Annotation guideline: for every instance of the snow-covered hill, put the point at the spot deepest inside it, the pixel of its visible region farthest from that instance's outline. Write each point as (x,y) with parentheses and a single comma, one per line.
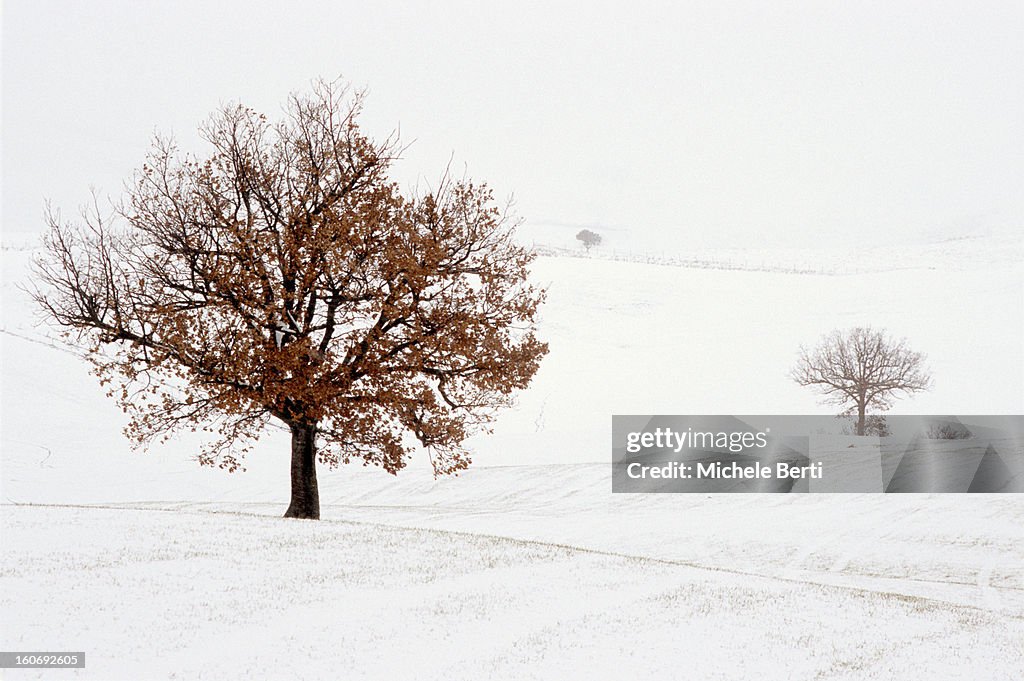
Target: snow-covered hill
(189,595)
(625,337)
(527,565)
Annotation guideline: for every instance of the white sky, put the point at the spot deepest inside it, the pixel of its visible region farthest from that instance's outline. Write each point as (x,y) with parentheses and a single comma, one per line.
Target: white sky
(751,124)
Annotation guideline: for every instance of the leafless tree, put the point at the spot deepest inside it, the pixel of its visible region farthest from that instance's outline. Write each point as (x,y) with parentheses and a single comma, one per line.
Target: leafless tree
(948,431)
(862,369)
(285,276)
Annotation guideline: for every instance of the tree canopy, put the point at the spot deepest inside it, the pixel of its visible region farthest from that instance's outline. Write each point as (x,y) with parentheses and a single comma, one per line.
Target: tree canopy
(284,275)
(588,238)
(862,368)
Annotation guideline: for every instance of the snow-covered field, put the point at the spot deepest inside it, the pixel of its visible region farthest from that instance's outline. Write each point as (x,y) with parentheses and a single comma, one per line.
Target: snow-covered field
(193,595)
(527,566)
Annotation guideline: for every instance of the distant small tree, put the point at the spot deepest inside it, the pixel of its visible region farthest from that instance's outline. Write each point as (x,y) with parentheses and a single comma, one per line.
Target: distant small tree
(588,239)
(862,368)
(948,431)
(874,424)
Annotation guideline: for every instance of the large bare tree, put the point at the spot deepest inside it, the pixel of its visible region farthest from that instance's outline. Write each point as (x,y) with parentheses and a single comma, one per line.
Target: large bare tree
(285,276)
(862,368)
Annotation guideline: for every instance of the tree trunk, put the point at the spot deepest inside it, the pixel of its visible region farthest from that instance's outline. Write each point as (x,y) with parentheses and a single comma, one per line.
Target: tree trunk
(860,419)
(305,496)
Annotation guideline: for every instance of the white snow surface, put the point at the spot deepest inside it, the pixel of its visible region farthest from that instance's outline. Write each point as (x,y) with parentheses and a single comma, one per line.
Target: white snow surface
(527,566)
